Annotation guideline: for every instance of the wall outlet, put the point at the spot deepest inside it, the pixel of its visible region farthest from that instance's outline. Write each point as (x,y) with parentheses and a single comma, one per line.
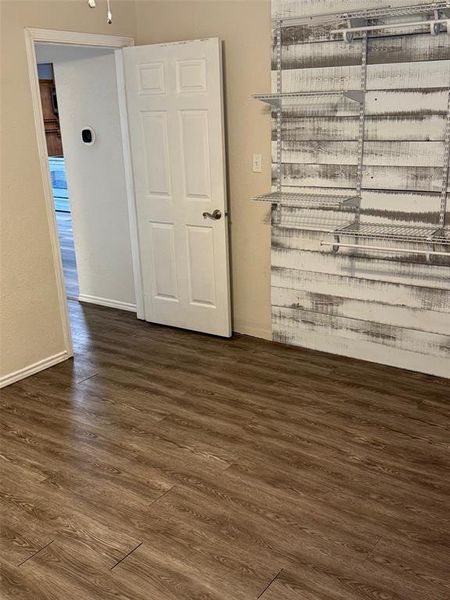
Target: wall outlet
(257,163)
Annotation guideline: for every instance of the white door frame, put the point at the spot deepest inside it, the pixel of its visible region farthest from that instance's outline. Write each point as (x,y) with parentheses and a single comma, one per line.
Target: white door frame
(71,38)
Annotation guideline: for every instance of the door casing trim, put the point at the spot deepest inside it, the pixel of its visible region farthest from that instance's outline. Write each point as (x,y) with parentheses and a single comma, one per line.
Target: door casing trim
(51,36)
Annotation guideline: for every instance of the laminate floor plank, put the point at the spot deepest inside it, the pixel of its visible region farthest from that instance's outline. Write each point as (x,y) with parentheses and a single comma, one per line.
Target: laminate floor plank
(358,580)
(122,453)
(72,517)
(290,397)
(17,585)
(256,527)
(186,563)
(314,470)
(50,459)
(67,569)
(20,537)
(361,516)
(424,563)
(161,464)
(307,582)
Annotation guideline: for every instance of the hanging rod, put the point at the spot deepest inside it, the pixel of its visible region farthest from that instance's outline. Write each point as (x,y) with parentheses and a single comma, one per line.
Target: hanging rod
(434,25)
(338,245)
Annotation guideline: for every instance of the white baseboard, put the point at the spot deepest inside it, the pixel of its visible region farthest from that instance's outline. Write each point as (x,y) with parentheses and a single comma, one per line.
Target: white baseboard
(250,329)
(45,363)
(107,302)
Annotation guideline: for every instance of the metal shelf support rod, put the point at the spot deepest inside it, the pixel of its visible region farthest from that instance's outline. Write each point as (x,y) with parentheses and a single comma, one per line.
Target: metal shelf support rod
(445,167)
(279,108)
(337,244)
(276,213)
(361,126)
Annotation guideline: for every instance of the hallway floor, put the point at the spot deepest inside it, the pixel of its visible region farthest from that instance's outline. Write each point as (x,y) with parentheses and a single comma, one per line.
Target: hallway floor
(162,464)
(65,234)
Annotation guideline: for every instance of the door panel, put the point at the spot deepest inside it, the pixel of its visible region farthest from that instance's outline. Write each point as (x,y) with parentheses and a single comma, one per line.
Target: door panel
(175,112)
(151,78)
(164,261)
(195,152)
(157,160)
(202,285)
(191,75)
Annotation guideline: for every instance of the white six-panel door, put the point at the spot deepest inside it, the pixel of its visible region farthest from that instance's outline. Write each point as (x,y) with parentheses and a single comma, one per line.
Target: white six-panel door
(175,115)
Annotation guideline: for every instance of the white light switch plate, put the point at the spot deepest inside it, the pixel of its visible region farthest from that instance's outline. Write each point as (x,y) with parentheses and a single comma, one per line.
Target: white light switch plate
(257,163)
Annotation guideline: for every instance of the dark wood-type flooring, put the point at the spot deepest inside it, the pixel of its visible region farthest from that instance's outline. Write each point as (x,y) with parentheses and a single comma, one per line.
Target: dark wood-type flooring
(167,465)
(65,234)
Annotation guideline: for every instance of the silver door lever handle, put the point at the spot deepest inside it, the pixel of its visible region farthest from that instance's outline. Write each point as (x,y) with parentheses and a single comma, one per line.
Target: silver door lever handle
(215,215)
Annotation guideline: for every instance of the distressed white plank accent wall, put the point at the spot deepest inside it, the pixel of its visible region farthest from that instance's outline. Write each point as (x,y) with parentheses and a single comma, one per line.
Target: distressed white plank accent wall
(388,308)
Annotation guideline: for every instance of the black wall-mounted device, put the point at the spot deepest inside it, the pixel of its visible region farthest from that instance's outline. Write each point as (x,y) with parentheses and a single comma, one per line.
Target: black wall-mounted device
(88,135)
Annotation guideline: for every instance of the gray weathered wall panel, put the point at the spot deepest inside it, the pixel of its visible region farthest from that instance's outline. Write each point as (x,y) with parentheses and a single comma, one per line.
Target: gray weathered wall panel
(382,307)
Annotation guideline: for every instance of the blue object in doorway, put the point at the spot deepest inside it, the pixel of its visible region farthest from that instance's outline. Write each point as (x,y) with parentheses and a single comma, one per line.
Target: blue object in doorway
(59,183)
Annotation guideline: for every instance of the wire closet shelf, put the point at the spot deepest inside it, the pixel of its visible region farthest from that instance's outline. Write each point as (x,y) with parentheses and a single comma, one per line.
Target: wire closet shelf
(407,233)
(278,100)
(367,13)
(313,211)
(305,200)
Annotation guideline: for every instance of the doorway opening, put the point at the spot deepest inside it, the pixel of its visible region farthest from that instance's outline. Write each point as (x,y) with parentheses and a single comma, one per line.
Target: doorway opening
(143,136)
(61,204)
(81,119)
